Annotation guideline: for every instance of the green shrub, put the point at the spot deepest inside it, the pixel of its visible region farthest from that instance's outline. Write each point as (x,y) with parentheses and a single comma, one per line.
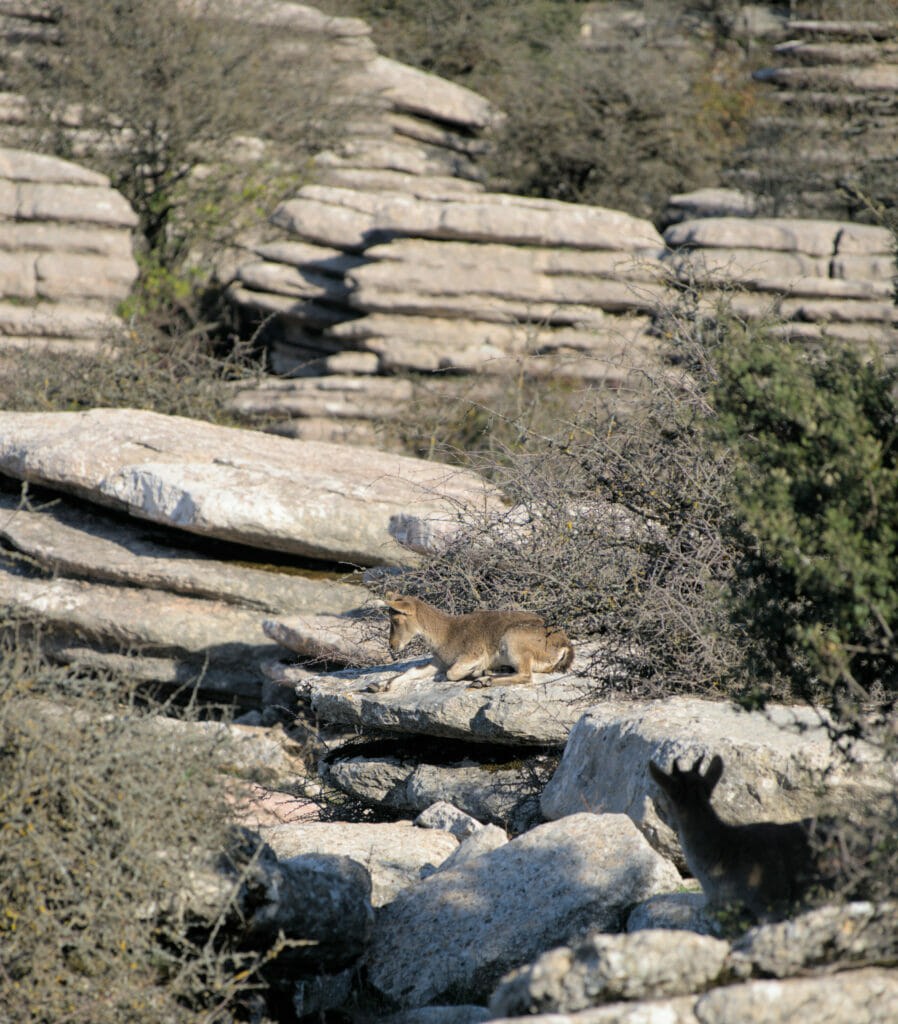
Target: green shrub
(815,435)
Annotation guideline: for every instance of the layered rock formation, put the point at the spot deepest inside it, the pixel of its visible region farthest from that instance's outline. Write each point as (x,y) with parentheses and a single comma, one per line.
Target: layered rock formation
(65,254)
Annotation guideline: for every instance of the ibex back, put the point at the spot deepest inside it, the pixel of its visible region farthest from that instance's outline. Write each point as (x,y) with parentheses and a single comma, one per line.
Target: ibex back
(470,646)
(765,868)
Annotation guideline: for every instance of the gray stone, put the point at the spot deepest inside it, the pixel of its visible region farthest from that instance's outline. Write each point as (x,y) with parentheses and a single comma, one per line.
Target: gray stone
(339,395)
(852,933)
(409,697)
(776,762)
(680,911)
(454,935)
(395,854)
(301,497)
(867,996)
(418,92)
(607,968)
(485,839)
(213,646)
(814,237)
(448,817)
(497,217)
(79,541)
(349,639)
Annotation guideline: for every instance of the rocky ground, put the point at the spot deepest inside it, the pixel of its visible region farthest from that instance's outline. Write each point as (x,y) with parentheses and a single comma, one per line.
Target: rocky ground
(442,854)
(475,854)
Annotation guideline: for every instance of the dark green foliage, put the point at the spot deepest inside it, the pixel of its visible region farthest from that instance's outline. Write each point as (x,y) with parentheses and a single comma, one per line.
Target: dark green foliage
(815,434)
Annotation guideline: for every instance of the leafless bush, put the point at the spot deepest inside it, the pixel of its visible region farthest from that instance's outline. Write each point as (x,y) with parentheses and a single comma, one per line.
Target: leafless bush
(102,824)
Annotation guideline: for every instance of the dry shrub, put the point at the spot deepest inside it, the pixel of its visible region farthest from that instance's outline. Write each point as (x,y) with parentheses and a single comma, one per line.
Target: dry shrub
(102,823)
(613,532)
(180,374)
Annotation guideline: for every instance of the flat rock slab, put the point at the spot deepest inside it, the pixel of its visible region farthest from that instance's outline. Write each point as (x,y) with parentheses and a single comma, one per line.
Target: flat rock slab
(412,697)
(310,498)
(193,637)
(395,854)
(74,540)
(453,936)
(775,763)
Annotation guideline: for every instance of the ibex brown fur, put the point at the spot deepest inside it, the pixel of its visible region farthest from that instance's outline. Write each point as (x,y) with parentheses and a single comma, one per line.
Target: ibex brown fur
(765,868)
(471,646)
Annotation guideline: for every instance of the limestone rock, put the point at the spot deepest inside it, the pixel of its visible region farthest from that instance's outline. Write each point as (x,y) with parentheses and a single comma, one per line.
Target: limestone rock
(775,762)
(458,932)
(487,789)
(607,968)
(217,647)
(680,911)
(409,698)
(485,839)
(395,854)
(446,816)
(313,499)
(75,540)
(867,996)
(854,933)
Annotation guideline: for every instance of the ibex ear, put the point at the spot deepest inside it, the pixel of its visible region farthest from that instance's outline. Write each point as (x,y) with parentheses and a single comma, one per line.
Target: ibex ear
(397,602)
(715,770)
(657,774)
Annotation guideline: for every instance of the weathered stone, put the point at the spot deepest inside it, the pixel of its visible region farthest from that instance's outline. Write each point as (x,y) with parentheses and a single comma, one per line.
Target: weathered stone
(20,165)
(775,764)
(338,395)
(503,262)
(507,794)
(607,968)
(497,217)
(218,646)
(307,498)
(814,237)
(853,933)
(680,911)
(327,224)
(289,280)
(78,541)
(418,92)
(448,817)
(454,935)
(65,203)
(49,236)
(395,854)
(323,900)
(867,996)
(408,697)
(485,839)
(304,254)
(350,639)
(519,284)
(376,299)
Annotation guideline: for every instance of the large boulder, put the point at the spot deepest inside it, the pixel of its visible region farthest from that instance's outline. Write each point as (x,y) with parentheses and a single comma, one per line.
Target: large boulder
(309,498)
(452,937)
(606,968)
(778,764)
(66,256)
(395,854)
